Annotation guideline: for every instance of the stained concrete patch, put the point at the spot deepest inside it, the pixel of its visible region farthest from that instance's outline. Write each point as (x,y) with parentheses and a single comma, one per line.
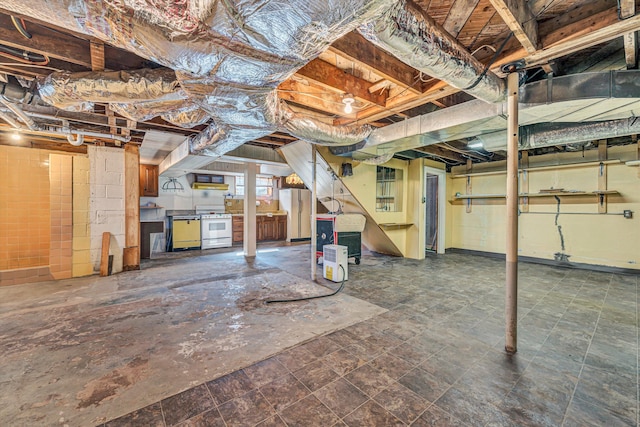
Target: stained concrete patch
(82,351)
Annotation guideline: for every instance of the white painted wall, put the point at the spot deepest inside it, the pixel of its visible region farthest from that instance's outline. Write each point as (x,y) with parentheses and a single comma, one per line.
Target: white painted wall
(106,203)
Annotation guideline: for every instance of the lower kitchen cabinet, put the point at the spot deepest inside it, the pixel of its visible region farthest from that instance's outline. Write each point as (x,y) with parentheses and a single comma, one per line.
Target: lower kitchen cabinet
(267,228)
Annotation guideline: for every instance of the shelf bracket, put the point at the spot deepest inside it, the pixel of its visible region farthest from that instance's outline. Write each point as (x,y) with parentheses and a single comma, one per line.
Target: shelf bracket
(469,166)
(602,176)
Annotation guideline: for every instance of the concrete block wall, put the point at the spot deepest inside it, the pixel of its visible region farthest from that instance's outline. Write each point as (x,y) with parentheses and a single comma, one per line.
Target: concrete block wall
(106,203)
(81,261)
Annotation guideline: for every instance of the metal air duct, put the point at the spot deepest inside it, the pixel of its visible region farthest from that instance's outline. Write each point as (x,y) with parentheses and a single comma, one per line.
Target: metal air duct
(549,134)
(417,40)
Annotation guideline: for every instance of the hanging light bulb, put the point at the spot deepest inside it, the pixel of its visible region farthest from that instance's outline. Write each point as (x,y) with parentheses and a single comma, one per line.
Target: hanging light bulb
(347,100)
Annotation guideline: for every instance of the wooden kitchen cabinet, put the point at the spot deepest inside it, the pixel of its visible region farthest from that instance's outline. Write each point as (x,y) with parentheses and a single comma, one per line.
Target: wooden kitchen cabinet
(148,181)
(237,228)
(267,228)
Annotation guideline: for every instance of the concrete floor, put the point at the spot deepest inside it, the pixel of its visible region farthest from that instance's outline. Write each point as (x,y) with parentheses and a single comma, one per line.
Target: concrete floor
(433,358)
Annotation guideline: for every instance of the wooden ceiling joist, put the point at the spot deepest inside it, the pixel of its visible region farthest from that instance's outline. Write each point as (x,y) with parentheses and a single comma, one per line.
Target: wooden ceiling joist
(333,77)
(45,41)
(97,56)
(518,17)
(442,153)
(357,48)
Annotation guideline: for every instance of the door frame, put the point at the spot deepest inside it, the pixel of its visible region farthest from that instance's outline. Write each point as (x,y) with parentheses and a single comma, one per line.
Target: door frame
(442,206)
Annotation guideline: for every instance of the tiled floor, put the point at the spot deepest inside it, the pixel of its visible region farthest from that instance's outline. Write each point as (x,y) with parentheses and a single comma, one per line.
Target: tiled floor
(436,359)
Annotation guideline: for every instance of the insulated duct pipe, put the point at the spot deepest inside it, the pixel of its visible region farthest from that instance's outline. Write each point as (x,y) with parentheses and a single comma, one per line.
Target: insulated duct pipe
(18,112)
(4,116)
(417,40)
(549,134)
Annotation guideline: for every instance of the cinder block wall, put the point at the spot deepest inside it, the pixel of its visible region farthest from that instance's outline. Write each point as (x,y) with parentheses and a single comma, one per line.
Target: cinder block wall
(106,203)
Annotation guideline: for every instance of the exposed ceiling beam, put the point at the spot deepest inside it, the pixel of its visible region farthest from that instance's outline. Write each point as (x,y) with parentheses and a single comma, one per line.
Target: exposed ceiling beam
(458,16)
(518,17)
(45,41)
(631,50)
(97,56)
(330,76)
(442,153)
(627,8)
(356,48)
(578,35)
(400,103)
(312,96)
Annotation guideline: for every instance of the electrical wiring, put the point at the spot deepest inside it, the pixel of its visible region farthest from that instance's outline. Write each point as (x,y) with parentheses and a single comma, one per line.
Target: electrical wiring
(21,27)
(23,56)
(44,67)
(271,301)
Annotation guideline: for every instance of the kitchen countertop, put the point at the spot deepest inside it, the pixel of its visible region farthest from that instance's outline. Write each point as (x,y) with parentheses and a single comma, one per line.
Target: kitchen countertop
(263,214)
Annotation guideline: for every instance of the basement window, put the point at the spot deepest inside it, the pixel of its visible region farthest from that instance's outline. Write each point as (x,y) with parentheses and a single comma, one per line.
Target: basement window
(264,187)
(388,189)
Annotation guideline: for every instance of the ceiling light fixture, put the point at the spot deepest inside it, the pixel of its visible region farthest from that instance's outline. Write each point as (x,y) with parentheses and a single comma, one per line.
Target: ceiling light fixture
(16,136)
(347,100)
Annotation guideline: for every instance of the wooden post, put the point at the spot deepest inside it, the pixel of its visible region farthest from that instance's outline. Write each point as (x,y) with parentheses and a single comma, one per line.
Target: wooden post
(131,252)
(511,291)
(249,242)
(314,213)
(104,256)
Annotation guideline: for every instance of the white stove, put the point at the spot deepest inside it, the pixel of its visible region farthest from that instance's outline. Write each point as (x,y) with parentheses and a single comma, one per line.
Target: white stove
(215,226)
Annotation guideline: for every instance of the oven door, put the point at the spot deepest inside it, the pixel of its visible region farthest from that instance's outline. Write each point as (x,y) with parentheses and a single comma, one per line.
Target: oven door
(216,232)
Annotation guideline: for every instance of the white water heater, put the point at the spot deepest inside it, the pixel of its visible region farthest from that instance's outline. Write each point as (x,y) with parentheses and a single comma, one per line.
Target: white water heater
(335,263)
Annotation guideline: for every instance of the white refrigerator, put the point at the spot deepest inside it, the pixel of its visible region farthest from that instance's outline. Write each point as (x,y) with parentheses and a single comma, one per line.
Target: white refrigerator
(297,203)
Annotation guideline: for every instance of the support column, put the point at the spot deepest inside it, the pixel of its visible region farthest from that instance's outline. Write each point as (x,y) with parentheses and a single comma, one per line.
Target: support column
(131,252)
(511,289)
(249,239)
(314,213)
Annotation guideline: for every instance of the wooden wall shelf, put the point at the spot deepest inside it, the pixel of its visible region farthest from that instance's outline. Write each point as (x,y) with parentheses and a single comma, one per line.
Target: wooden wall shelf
(559,194)
(539,168)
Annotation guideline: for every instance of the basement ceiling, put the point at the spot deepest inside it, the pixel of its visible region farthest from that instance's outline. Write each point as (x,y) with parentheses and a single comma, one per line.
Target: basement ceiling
(548,37)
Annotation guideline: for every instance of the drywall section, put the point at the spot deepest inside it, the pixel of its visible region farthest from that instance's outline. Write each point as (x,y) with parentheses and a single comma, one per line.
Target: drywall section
(106,205)
(567,228)
(81,258)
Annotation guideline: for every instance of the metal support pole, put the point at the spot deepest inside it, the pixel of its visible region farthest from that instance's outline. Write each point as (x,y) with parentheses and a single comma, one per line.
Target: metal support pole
(249,238)
(314,214)
(511,289)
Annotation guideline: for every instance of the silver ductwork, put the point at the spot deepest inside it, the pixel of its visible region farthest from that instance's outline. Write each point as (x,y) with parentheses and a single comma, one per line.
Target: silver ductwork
(182,113)
(417,40)
(229,56)
(550,134)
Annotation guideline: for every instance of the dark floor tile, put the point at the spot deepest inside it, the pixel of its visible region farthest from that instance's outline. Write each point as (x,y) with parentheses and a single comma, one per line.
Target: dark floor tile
(471,409)
(148,416)
(364,350)
(264,372)
(274,421)
(342,362)
(247,410)
(402,402)
(371,414)
(211,418)
(581,413)
(315,375)
(284,391)
(343,338)
(230,386)
(383,340)
(361,330)
(341,397)
(524,412)
(309,412)
(616,394)
(446,369)
(187,404)
(295,358)
(391,365)
(410,353)
(436,417)
(321,346)
(424,384)
(369,380)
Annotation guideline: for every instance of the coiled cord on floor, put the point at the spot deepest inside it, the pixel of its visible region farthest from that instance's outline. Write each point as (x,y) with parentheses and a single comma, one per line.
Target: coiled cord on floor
(313,297)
